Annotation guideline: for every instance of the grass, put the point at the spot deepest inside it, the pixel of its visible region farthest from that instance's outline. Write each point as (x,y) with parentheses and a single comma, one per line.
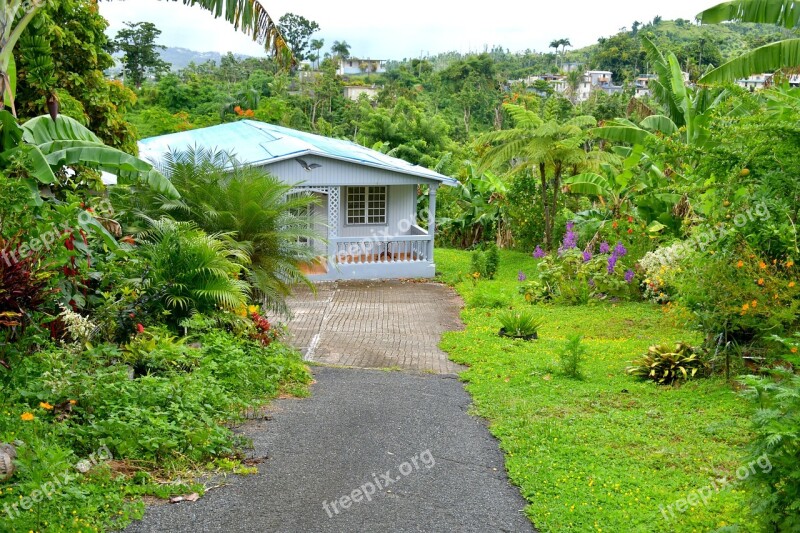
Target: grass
(606,453)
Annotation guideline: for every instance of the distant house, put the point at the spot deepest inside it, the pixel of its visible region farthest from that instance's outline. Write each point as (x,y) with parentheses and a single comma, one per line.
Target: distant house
(756,82)
(354,92)
(355,66)
(593,80)
(367,201)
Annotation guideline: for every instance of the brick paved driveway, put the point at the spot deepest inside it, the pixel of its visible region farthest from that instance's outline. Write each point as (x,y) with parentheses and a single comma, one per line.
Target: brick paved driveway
(376,324)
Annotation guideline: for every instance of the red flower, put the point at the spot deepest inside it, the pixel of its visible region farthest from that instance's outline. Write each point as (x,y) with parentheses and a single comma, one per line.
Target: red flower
(132,315)
(140,328)
(615,225)
(630,219)
(630,230)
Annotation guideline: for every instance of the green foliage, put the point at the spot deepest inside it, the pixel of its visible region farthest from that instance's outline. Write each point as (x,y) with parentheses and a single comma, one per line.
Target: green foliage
(485,262)
(297,31)
(520,323)
(249,209)
(194,271)
(140,57)
(572,357)
(665,365)
(70,35)
(170,414)
(776,423)
(543,419)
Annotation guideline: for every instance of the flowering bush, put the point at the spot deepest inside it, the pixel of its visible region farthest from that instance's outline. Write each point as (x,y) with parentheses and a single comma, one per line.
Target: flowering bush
(659,268)
(738,296)
(576,276)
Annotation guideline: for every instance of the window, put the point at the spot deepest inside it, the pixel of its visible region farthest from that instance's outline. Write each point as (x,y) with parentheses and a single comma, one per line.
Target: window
(366,205)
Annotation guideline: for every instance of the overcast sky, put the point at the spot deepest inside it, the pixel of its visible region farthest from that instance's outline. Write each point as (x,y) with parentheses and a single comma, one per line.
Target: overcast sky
(408,28)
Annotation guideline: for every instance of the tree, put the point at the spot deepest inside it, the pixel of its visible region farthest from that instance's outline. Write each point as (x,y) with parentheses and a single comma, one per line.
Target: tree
(563,44)
(316,46)
(297,31)
(769,58)
(247,15)
(551,148)
(141,58)
(340,49)
(70,35)
(574,80)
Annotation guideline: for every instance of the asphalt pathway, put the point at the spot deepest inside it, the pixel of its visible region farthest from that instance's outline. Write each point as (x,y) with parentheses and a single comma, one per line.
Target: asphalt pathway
(360,429)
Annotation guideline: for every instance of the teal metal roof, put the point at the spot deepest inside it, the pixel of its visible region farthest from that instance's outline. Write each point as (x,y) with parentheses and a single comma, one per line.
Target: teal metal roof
(259,143)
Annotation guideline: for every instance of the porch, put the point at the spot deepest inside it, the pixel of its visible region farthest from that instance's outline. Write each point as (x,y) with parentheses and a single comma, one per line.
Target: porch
(396,248)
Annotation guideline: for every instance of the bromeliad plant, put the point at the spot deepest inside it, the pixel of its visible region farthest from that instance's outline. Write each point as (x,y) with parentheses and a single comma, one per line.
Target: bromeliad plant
(520,324)
(665,365)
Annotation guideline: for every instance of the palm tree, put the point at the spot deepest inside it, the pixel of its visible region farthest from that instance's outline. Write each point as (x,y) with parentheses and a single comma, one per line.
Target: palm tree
(341,49)
(769,58)
(561,43)
(253,208)
(316,46)
(574,80)
(551,149)
(248,15)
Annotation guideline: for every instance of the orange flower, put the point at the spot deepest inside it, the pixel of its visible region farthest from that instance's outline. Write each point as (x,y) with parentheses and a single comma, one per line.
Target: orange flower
(761,281)
(45,405)
(794,349)
(789,264)
(73,402)
(745,308)
(754,304)
(27,417)
(792,284)
(740,264)
(762,265)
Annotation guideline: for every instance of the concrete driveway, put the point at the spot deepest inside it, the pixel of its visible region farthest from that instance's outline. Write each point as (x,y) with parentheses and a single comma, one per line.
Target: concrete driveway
(376,324)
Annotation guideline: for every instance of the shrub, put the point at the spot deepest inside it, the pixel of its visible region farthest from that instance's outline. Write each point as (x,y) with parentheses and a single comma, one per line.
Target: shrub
(196,271)
(665,365)
(738,296)
(571,357)
(520,323)
(776,489)
(492,261)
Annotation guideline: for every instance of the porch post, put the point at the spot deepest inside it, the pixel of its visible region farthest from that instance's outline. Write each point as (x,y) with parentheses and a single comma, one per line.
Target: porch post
(432,217)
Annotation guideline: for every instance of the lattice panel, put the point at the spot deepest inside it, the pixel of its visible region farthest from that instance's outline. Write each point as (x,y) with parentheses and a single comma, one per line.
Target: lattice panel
(334,205)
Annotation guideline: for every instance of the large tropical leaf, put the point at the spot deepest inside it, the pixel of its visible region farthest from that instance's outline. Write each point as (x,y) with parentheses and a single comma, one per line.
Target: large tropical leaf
(588,183)
(769,58)
(523,118)
(660,123)
(623,133)
(784,13)
(35,161)
(43,129)
(661,87)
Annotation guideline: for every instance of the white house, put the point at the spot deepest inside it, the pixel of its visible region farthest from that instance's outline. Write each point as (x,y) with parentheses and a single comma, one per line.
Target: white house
(354,65)
(354,92)
(367,201)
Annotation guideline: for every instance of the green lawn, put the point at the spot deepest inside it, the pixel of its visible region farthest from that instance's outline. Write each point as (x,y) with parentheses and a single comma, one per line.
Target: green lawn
(605,453)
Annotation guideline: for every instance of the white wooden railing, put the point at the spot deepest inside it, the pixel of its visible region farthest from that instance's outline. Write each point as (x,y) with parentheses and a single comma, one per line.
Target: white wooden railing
(376,250)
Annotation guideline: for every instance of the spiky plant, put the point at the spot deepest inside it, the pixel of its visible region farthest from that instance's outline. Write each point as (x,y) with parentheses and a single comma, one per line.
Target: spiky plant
(249,207)
(194,270)
(667,364)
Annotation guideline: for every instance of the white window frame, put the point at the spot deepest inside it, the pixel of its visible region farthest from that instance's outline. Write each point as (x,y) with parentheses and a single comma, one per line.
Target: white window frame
(364,218)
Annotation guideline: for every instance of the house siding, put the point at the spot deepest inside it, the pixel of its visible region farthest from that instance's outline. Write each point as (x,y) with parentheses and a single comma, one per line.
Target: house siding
(337,173)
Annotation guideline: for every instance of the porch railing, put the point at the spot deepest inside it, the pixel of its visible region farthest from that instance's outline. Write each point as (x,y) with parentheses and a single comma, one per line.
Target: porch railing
(376,250)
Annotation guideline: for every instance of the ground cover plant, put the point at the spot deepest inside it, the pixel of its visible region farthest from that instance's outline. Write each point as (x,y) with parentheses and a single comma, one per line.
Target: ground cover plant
(607,452)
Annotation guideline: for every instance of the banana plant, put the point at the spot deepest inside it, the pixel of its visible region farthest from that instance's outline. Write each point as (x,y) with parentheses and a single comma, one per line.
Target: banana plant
(769,58)
(633,187)
(43,146)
